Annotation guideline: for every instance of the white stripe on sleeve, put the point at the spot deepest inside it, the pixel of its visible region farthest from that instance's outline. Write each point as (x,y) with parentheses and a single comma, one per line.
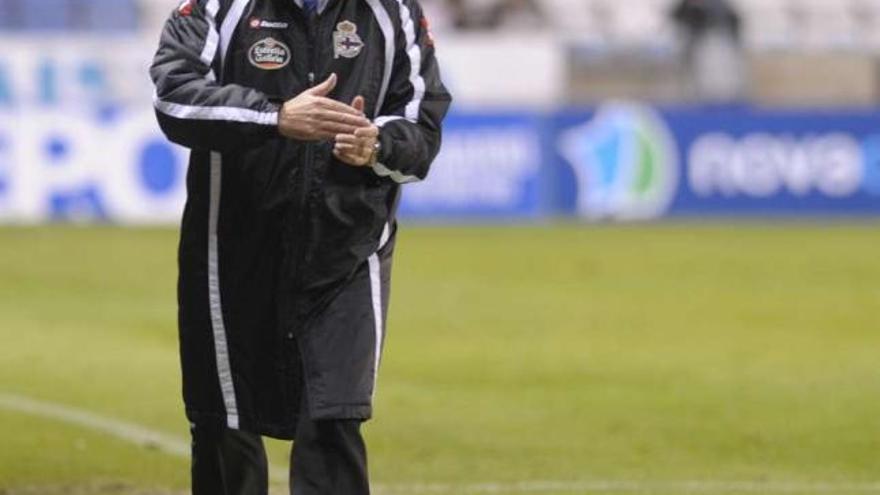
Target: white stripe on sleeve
(213,42)
(230,23)
(213,38)
(414,52)
(383,171)
(231,114)
(380,169)
(381,121)
(388,32)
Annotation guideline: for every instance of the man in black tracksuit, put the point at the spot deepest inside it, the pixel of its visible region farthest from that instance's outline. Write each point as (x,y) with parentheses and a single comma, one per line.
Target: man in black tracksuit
(304,118)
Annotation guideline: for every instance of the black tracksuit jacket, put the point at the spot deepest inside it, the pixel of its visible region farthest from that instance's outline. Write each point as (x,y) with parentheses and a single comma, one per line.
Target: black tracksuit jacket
(285,252)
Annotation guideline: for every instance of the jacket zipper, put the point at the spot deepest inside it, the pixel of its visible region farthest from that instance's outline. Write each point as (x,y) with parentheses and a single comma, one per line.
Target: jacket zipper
(309,162)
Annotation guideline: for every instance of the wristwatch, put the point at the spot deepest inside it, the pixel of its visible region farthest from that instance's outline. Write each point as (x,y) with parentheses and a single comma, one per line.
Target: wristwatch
(374,157)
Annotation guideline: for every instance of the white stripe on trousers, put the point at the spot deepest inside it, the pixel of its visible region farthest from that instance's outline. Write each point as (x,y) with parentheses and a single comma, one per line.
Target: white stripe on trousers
(221,349)
(378,309)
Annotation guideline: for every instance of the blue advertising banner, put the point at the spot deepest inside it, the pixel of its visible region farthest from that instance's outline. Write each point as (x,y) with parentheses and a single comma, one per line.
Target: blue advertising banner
(490,166)
(79,142)
(627,161)
(630,162)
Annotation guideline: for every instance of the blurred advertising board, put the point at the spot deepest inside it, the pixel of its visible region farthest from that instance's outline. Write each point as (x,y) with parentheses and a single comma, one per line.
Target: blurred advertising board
(106,165)
(620,162)
(78,142)
(490,166)
(629,161)
(78,139)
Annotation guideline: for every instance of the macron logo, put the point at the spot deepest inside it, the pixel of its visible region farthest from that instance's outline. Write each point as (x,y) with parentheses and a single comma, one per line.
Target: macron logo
(257,23)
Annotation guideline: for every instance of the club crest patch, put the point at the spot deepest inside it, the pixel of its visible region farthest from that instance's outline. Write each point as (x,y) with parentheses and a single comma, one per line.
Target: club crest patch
(269,54)
(346,42)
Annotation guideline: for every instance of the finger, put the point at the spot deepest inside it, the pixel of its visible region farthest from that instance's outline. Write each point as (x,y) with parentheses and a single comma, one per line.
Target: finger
(354,140)
(366,147)
(325,136)
(359,103)
(334,128)
(325,87)
(342,118)
(350,148)
(348,158)
(349,144)
(334,105)
(334,116)
(320,133)
(344,130)
(367,132)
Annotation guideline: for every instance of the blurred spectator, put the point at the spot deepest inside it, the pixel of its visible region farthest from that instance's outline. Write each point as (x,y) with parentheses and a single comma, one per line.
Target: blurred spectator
(468,16)
(458,12)
(471,15)
(439,14)
(865,15)
(517,14)
(712,52)
(699,18)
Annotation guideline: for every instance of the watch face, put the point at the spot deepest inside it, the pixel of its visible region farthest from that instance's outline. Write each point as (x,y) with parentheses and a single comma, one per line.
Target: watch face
(374,159)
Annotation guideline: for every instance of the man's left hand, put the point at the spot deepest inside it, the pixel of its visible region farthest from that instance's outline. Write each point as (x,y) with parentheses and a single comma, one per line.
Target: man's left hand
(357,149)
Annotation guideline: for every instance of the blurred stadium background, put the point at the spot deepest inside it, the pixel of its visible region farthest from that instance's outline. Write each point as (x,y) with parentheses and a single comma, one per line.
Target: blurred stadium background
(723,343)
(752,106)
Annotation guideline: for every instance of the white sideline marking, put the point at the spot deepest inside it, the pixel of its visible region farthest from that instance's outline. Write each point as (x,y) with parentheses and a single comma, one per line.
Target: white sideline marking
(672,487)
(122,430)
(145,437)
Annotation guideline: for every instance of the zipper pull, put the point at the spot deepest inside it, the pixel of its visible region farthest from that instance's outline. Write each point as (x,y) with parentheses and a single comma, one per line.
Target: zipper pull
(311,78)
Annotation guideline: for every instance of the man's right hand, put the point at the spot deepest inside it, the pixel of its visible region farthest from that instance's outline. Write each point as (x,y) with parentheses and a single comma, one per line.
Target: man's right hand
(311,116)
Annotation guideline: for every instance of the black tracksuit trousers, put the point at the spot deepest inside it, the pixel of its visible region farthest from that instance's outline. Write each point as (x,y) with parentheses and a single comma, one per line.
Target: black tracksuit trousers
(328,458)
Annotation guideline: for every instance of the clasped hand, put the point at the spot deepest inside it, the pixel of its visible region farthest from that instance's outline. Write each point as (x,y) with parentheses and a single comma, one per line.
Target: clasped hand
(313,116)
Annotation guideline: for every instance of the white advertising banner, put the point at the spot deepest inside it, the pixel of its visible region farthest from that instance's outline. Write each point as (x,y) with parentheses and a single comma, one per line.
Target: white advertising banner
(78,139)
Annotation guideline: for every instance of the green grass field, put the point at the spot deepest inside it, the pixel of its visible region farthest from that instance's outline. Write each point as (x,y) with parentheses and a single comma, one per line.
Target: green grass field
(738,358)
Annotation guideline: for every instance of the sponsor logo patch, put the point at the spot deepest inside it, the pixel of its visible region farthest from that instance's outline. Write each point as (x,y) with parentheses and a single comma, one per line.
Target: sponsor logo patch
(346,42)
(269,54)
(257,23)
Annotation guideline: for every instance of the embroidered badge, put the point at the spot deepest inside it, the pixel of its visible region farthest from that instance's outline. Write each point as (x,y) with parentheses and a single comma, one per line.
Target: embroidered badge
(346,42)
(269,54)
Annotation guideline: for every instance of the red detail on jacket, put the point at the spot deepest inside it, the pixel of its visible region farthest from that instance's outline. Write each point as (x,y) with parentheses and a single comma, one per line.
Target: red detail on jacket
(426,25)
(186,8)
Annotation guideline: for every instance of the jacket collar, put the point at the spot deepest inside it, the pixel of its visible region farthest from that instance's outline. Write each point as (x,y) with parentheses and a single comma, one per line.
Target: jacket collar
(322,4)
